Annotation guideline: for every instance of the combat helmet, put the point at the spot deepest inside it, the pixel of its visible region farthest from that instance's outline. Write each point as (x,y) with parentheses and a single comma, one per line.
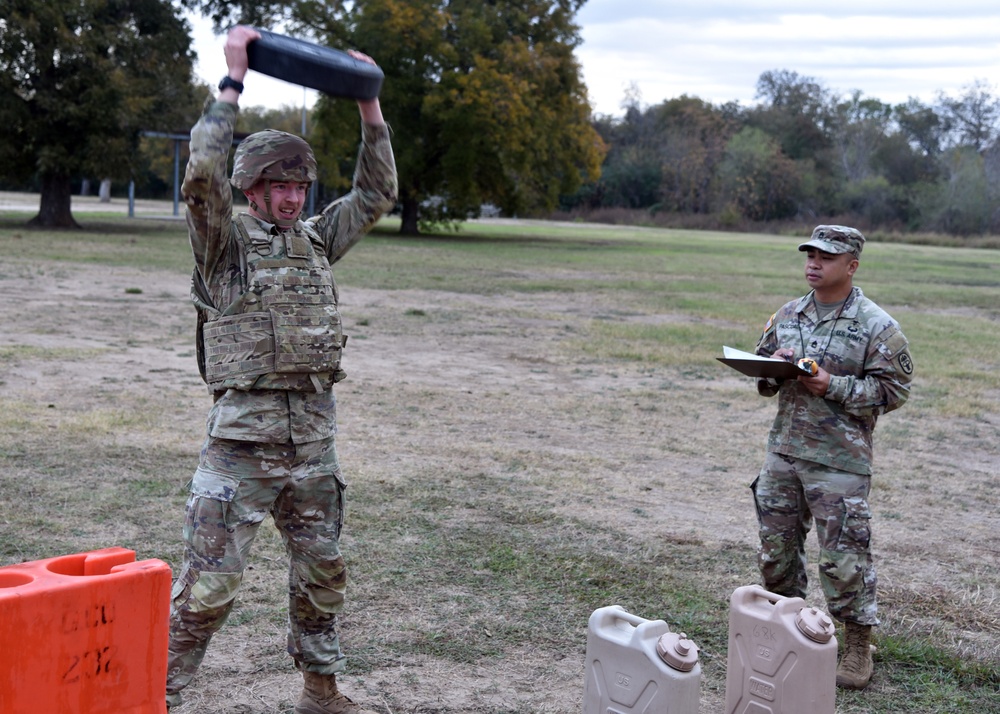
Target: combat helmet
(275,156)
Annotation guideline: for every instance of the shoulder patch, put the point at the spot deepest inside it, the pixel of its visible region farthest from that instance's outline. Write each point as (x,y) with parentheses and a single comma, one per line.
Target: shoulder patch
(770,321)
(894,341)
(893,344)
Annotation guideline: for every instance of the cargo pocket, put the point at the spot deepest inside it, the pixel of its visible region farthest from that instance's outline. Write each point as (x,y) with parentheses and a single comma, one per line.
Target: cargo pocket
(855,526)
(181,589)
(208,519)
(214,485)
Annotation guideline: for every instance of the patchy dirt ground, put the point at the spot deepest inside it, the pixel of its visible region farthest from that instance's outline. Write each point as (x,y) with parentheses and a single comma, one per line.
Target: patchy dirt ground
(450,383)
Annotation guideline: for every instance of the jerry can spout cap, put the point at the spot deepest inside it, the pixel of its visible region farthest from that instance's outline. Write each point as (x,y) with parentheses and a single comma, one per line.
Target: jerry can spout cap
(677,651)
(815,624)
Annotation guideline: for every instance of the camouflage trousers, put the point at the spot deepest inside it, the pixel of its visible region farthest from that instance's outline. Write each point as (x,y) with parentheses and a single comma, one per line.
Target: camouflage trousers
(789,494)
(236,485)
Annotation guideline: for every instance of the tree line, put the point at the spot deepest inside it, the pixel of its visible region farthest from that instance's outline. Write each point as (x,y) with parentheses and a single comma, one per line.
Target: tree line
(805,152)
(486,101)
(487,105)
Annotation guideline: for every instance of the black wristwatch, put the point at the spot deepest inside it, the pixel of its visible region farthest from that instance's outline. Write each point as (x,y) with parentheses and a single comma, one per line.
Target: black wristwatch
(228,81)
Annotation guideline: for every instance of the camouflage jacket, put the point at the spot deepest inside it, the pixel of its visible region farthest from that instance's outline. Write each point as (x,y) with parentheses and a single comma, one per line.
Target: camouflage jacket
(270,415)
(868,359)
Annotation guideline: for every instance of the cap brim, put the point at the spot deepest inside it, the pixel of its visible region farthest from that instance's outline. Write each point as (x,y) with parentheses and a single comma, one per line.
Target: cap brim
(826,247)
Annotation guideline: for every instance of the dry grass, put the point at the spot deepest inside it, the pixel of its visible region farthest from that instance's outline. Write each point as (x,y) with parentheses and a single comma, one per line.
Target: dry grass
(517,458)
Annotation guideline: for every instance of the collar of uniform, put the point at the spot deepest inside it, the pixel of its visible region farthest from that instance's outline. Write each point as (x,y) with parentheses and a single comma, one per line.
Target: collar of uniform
(269,228)
(274,230)
(848,309)
(853,303)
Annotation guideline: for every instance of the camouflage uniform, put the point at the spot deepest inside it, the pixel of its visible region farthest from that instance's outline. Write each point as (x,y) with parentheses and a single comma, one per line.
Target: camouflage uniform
(270,446)
(820,449)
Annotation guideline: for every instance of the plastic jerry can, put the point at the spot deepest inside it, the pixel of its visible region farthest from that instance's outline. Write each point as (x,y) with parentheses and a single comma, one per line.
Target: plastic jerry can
(84,634)
(637,666)
(782,655)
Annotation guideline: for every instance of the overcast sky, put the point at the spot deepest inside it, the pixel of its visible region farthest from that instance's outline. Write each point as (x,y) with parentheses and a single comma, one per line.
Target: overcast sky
(717,49)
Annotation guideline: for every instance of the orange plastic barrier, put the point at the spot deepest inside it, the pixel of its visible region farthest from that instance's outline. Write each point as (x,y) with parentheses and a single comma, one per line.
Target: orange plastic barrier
(84,634)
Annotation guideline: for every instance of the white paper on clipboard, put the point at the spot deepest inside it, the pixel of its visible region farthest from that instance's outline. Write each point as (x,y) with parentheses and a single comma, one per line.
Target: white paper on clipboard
(756,366)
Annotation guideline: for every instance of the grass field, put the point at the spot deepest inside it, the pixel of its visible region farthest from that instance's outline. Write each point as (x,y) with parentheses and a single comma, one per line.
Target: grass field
(534,426)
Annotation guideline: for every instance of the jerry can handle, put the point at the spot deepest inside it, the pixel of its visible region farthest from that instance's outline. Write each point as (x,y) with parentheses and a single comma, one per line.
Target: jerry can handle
(631,619)
(615,622)
(754,595)
(750,593)
(613,613)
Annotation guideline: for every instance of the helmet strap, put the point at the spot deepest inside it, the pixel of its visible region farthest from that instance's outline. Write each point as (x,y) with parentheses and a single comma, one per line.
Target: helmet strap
(267,201)
(269,212)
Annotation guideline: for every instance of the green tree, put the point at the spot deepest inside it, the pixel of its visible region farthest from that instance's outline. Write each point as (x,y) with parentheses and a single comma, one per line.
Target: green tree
(79,81)
(154,165)
(692,140)
(963,204)
(974,117)
(757,179)
(285,118)
(859,132)
(798,111)
(922,126)
(485,99)
(631,174)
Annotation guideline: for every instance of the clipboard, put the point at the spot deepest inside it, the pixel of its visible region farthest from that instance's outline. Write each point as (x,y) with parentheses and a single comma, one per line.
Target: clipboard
(762,367)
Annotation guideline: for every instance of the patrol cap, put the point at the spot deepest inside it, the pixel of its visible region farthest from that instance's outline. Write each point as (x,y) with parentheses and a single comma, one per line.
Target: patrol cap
(836,240)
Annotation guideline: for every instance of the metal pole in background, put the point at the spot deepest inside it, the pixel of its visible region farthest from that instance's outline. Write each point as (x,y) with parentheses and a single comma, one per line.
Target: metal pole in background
(303,112)
(177,139)
(177,173)
(313,188)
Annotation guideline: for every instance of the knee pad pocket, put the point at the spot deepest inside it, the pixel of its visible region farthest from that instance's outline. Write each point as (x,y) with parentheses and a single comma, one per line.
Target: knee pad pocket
(212,591)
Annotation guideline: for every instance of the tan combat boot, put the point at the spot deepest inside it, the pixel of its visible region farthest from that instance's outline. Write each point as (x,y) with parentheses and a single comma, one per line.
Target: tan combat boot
(856,666)
(320,696)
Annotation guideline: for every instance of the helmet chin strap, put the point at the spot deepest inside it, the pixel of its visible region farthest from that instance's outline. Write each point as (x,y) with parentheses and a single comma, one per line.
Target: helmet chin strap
(282,223)
(268,214)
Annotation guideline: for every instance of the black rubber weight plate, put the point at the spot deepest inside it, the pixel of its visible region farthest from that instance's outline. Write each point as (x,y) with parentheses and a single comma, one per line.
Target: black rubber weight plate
(330,71)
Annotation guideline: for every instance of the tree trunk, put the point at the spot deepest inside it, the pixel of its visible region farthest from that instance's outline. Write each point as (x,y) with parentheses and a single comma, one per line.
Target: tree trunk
(55,210)
(105,191)
(411,210)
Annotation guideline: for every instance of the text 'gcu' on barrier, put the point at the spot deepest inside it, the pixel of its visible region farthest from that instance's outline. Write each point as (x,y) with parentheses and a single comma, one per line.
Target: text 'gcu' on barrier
(84,634)
(782,655)
(637,666)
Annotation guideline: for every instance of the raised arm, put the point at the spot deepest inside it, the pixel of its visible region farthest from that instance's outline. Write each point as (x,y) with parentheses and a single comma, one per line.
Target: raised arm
(237,61)
(206,188)
(375,188)
(370,109)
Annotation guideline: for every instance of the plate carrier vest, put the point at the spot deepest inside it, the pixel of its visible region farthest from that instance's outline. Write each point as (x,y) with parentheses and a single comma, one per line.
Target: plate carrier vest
(284,329)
